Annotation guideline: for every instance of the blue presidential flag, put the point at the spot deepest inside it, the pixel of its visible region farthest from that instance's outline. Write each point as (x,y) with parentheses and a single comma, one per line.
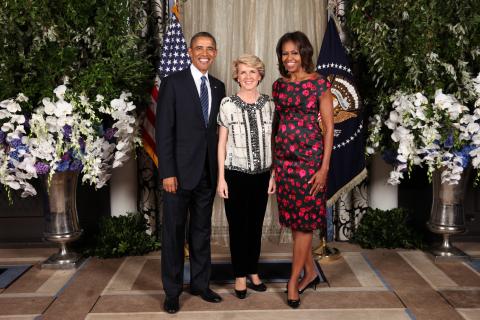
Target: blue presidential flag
(347,165)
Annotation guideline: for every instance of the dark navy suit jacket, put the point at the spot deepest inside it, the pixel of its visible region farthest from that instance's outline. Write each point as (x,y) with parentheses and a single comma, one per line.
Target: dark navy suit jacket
(183,142)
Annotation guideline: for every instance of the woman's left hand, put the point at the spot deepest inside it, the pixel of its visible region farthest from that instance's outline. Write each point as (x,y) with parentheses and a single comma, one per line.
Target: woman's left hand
(318,182)
(272,187)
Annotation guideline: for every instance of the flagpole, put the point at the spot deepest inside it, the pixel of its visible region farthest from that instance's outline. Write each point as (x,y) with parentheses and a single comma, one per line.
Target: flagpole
(323,251)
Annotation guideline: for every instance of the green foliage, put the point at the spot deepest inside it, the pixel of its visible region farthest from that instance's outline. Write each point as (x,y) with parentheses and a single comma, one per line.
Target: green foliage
(414,46)
(386,229)
(96,44)
(123,236)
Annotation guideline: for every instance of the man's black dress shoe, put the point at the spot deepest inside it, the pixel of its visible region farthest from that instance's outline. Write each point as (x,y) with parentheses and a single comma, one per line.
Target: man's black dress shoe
(170,305)
(208,295)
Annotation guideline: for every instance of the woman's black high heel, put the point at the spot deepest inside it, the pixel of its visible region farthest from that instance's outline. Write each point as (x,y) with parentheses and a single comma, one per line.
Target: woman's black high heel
(312,284)
(241,294)
(294,304)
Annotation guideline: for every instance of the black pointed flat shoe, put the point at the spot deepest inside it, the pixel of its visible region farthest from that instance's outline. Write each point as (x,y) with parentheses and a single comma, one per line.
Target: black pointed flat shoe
(261,287)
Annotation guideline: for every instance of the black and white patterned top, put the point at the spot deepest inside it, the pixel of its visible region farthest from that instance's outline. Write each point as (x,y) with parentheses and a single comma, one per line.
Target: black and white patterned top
(249,133)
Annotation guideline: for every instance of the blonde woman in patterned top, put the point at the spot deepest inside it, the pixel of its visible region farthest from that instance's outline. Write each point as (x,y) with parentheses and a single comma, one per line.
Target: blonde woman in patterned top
(244,161)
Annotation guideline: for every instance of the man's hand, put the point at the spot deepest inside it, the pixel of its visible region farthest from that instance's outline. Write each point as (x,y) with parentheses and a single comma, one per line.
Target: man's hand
(170,184)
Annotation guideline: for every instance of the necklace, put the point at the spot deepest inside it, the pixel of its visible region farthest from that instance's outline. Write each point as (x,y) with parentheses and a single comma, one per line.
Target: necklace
(251,99)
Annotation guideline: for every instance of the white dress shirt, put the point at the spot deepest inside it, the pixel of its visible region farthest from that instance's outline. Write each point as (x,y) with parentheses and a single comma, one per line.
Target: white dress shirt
(197,77)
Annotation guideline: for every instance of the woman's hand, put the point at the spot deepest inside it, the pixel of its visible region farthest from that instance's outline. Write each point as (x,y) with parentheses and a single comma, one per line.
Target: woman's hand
(318,182)
(272,187)
(222,189)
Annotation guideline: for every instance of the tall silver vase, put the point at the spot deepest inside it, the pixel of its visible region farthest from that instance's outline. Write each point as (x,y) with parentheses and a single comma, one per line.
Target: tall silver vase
(61,219)
(447,216)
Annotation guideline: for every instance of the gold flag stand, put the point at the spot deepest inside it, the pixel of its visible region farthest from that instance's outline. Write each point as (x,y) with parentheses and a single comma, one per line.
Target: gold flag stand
(325,253)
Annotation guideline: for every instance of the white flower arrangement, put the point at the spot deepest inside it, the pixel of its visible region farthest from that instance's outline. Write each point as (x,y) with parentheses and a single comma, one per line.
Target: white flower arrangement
(68,133)
(442,133)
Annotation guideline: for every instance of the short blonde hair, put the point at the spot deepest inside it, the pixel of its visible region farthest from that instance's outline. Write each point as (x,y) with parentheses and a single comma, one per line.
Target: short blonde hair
(251,61)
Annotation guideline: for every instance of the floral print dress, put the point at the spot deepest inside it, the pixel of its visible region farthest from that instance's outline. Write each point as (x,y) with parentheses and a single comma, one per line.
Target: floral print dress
(298,152)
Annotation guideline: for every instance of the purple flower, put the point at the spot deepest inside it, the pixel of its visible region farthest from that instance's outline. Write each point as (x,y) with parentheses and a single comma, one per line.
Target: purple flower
(449,142)
(81,142)
(66,156)
(110,133)
(26,125)
(14,155)
(42,168)
(63,166)
(464,154)
(67,132)
(76,165)
(15,143)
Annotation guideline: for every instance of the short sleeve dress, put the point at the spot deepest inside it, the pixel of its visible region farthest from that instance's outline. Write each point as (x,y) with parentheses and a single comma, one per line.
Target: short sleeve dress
(298,152)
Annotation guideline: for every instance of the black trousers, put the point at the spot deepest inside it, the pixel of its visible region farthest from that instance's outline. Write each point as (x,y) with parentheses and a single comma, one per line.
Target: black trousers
(245,209)
(198,202)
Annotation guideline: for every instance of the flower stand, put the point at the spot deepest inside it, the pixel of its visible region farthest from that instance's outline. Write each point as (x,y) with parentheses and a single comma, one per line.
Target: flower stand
(61,219)
(447,216)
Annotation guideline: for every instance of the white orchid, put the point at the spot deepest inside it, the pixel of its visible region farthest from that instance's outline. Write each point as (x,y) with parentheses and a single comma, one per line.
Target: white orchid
(418,127)
(59,128)
(60,91)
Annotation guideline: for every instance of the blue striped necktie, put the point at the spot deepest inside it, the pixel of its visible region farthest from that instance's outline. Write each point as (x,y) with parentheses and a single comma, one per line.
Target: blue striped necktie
(204,99)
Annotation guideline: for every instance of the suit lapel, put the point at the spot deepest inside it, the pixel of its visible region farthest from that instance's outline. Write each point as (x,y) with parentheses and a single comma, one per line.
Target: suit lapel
(194,92)
(215,103)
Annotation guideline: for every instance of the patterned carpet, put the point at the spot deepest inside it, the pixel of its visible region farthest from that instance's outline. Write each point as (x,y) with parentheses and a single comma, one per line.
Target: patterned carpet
(362,284)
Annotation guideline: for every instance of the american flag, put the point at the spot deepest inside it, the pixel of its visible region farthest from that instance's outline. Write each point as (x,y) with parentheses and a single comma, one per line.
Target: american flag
(174,58)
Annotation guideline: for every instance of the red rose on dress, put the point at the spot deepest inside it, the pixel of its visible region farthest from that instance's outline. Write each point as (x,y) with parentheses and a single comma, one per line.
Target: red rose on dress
(305,93)
(302,173)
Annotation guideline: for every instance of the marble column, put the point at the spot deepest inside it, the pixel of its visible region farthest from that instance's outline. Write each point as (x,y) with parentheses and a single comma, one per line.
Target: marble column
(123,189)
(381,195)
